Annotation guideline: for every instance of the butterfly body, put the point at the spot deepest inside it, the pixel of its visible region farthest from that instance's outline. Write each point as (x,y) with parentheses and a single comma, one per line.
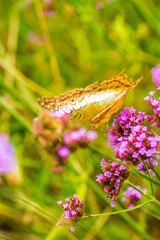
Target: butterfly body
(95,103)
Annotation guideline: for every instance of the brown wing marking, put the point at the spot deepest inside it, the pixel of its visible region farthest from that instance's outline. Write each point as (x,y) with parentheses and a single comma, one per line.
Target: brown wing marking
(84,114)
(48,103)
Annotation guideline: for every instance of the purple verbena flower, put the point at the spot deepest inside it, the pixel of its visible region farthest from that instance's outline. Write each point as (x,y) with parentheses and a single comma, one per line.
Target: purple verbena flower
(112,178)
(155,104)
(74,211)
(156,75)
(139,145)
(133,196)
(123,124)
(8,161)
(80,137)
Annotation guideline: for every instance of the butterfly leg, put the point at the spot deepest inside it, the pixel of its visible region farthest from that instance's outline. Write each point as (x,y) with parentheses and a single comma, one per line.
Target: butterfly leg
(103,127)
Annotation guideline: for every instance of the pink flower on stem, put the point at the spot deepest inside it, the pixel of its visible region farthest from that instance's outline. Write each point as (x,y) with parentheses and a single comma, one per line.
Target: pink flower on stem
(156,75)
(112,178)
(73,212)
(155,104)
(137,144)
(133,196)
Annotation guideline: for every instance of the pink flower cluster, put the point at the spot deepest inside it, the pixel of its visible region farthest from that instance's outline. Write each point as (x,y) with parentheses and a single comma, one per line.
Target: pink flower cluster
(79,137)
(8,161)
(123,124)
(155,104)
(133,196)
(156,75)
(59,137)
(137,144)
(74,211)
(112,178)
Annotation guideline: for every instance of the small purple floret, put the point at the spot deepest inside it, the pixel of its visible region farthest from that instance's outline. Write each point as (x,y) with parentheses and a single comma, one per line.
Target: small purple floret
(63,152)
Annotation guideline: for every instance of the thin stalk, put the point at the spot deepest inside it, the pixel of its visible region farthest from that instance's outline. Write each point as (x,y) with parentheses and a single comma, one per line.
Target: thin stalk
(103,154)
(146,177)
(124,216)
(157,174)
(23,79)
(147,15)
(12,41)
(97,189)
(149,176)
(120,211)
(22,201)
(145,194)
(49,46)
(16,115)
(19,98)
(150,213)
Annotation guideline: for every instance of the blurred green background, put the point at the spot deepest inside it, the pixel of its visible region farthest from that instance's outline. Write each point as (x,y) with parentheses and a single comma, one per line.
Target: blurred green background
(47,48)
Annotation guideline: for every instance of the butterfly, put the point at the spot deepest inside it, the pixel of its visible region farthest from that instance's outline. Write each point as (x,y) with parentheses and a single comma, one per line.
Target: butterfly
(95,103)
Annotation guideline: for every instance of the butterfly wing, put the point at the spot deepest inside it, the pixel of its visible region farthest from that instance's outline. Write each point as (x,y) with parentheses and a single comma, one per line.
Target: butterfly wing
(95,105)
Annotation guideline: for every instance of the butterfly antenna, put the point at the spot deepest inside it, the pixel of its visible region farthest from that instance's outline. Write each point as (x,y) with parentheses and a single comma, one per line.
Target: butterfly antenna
(136,82)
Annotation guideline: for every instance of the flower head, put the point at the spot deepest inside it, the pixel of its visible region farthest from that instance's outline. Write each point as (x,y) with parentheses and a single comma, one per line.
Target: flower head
(79,137)
(155,104)
(8,161)
(156,75)
(112,178)
(59,137)
(136,143)
(124,122)
(73,212)
(133,196)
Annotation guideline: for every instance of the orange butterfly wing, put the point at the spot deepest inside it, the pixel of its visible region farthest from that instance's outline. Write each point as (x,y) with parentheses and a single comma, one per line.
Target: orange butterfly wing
(95,103)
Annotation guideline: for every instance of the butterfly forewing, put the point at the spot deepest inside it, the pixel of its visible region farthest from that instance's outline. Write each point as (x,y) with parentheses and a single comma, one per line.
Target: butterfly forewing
(95,103)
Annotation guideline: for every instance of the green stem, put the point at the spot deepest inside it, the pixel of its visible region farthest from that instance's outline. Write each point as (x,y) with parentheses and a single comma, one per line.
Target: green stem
(145,194)
(146,177)
(120,211)
(49,46)
(23,79)
(16,115)
(19,98)
(149,176)
(157,174)
(124,216)
(151,213)
(103,154)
